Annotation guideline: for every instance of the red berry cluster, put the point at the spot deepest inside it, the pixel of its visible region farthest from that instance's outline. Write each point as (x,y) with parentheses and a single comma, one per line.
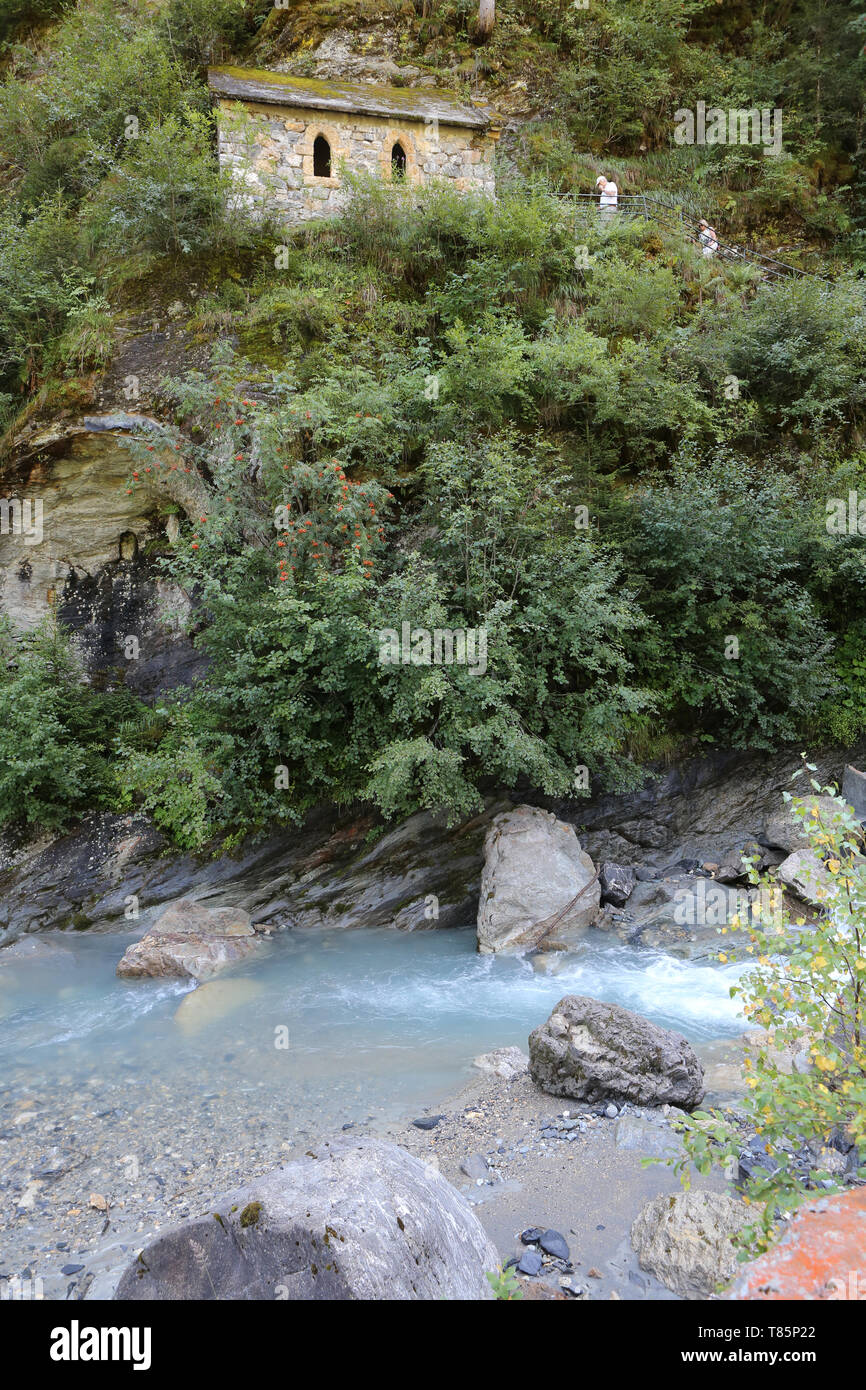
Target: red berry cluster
(307,529)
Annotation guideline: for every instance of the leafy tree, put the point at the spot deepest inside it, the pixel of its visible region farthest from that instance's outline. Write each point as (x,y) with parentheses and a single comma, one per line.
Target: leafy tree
(806,990)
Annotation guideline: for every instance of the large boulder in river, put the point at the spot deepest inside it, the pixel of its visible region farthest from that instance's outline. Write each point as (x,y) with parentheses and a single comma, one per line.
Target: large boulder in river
(538,885)
(190,940)
(588,1050)
(363,1219)
(686,1240)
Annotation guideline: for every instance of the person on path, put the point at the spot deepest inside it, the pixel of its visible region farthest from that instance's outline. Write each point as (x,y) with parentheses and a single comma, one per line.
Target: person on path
(608,194)
(707,238)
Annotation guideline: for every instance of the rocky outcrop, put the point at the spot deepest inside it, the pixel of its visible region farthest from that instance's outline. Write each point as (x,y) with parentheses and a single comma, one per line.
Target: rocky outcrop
(786,832)
(189,940)
(686,1240)
(538,886)
(702,809)
(820,1255)
(418,874)
(115,869)
(361,1219)
(589,1050)
(93,561)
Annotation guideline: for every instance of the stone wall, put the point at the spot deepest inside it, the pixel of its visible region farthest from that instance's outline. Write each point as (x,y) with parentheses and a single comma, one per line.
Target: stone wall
(269,150)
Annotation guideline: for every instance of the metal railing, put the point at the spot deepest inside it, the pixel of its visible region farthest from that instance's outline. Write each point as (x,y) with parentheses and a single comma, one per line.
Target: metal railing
(672,218)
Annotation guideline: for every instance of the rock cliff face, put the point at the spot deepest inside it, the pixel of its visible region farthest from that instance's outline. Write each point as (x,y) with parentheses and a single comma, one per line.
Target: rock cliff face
(91,557)
(417,875)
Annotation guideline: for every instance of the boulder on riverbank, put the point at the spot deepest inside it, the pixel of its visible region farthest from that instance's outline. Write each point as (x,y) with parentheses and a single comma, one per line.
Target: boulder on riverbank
(589,1050)
(363,1219)
(538,886)
(190,940)
(617,883)
(506,1062)
(806,876)
(686,1240)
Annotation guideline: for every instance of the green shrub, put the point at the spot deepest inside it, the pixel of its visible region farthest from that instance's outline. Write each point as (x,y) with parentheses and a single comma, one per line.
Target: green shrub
(55,732)
(169,196)
(40,284)
(737,643)
(202,31)
(62,169)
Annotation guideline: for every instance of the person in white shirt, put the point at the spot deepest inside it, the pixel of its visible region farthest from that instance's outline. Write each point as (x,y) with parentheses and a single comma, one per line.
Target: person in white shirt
(707,237)
(608,193)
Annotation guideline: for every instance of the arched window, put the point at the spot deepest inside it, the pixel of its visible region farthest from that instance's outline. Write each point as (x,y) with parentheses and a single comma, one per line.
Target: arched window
(321,158)
(398,163)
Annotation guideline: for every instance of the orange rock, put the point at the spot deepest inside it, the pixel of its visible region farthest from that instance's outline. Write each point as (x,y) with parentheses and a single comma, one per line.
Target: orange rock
(822,1255)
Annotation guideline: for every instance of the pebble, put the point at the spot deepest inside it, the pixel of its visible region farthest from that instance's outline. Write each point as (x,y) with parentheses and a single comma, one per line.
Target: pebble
(555,1244)
(530,1263)
(475,1166)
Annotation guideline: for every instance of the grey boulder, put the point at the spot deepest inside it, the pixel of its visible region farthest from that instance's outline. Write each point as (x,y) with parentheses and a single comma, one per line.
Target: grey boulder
(508,1063)
(638,1135)
(362,1220)
(617,882)
(190,940)
(589,1050)
(806,876)
(538,886)
(686,1240)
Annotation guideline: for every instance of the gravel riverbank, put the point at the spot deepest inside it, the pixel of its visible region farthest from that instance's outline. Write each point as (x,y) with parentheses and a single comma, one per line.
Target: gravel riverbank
(91,1173)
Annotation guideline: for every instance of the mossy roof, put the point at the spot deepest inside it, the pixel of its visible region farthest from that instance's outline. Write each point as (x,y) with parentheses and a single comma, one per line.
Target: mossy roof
(406,103)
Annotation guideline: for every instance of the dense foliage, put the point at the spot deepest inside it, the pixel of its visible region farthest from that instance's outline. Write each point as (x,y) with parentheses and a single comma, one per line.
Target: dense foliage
(56,734)
(610,455)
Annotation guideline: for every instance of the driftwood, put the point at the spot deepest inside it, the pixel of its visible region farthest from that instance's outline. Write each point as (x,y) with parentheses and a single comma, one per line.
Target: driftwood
(534,935)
